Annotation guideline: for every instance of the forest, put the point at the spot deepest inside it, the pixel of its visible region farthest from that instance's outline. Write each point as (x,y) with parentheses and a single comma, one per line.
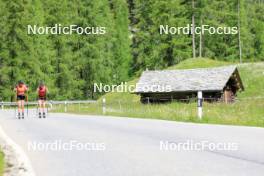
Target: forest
(71,64)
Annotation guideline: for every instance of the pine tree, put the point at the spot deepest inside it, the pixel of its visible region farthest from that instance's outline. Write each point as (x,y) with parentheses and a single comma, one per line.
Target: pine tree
(59,12)
(121,48)
(17,52)
(151,49)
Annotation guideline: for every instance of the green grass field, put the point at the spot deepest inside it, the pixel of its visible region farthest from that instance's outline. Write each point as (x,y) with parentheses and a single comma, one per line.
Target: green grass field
(1,163)
(248,110)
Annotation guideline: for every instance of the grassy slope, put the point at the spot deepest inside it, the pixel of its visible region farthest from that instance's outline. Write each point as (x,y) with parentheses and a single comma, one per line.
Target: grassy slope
(1,163)
(247,111)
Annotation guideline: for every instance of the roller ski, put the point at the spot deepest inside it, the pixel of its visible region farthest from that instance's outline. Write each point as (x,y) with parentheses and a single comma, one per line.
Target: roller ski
(20,116)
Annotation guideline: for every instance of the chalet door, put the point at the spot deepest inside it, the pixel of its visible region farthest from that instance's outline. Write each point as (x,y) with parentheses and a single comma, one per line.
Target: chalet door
(228,96)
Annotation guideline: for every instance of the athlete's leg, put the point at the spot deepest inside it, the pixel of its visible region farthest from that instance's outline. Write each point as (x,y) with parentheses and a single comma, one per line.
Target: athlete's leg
(39,104)
(19,105)
(44,105)
(22,105)
(19,108)
(39,108)
(23,109)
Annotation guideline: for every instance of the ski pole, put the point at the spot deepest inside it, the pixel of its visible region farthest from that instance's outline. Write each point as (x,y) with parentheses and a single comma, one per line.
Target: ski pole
(16,105)
(37,108)
(47,104)
(12,106)
(15,110)
(27,104)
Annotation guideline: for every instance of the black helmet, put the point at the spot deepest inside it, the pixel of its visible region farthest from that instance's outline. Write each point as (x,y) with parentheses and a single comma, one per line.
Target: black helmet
(41,83)
(20,82)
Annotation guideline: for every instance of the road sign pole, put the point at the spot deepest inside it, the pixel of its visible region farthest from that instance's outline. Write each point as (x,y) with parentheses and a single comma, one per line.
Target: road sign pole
(200,104)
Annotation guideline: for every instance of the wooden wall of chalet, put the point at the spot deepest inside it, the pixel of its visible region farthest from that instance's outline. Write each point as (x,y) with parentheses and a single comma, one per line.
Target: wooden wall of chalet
(229,96)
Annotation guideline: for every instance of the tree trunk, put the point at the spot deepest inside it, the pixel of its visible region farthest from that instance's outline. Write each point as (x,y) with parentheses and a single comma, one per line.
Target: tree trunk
(193,30)
(239,34)
(201,41)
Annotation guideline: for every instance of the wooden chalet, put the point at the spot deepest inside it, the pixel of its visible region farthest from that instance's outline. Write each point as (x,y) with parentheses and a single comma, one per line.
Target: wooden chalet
(217,84)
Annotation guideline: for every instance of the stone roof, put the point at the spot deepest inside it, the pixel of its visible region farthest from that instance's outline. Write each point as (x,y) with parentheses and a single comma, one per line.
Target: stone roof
(189,80)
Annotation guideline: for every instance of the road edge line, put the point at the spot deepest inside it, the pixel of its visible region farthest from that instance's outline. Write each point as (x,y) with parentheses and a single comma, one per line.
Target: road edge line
(23,164)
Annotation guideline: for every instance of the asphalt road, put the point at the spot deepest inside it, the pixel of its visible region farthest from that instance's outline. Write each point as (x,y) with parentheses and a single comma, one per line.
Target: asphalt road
(114,146)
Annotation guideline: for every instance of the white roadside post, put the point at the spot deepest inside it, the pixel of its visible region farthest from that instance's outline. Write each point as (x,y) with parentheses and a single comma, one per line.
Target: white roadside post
(50,104)
(104,103)
(200,104)
(65,106)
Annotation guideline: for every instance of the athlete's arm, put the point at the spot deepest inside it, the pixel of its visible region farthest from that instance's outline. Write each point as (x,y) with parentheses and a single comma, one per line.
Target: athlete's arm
(26,88)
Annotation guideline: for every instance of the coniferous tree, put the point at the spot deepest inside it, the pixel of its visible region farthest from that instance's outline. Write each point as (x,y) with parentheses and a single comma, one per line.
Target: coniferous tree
(121,48)
(17,52)
(152,49)
(59,12)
